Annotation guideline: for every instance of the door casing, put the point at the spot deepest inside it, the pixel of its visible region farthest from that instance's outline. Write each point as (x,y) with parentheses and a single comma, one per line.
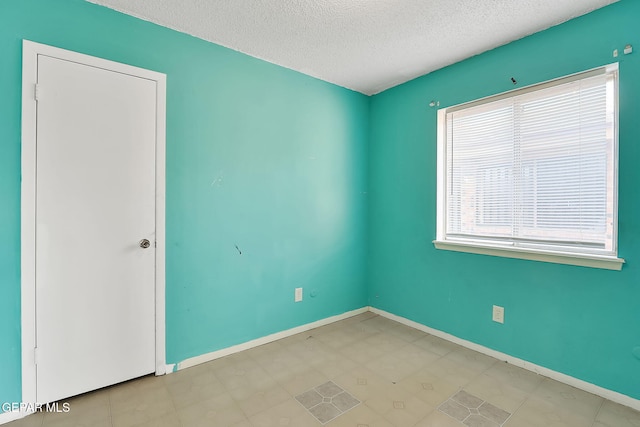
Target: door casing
(31,50)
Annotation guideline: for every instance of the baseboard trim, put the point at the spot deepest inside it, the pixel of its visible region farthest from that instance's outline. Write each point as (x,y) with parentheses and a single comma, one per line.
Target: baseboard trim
(6,417)
(614,396)
(203,358)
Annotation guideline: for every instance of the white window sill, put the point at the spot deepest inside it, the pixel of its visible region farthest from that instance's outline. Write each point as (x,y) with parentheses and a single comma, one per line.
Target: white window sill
(595,261)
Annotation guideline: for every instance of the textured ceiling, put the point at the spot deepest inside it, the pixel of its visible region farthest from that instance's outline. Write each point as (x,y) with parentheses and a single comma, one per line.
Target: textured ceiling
(364,45)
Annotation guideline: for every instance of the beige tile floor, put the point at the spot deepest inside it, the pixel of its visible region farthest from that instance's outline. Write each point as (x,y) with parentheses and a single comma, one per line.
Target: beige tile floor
(401,377)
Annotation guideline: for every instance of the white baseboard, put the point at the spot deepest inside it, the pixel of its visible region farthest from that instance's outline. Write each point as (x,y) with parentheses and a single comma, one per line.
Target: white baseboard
(203,358)
(6,417)
(616,397)
(541,370)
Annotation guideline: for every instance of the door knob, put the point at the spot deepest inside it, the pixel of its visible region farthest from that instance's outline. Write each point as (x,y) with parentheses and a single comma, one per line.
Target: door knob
(144,243)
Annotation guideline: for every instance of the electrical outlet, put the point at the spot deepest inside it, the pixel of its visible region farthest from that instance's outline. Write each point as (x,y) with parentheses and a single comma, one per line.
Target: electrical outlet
(298,295)
(498,314)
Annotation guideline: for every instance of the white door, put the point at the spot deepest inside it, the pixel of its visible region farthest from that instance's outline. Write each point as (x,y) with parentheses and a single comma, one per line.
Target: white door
(95,202)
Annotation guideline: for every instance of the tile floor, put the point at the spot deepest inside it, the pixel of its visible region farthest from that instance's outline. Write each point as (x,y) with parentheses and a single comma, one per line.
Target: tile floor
(398,376)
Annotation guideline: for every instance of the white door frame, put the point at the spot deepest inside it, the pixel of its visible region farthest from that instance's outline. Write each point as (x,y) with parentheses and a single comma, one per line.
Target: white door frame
(30,54)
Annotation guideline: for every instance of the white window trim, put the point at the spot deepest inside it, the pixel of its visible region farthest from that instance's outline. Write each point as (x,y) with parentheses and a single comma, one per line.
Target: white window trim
(595,261)
(495,249)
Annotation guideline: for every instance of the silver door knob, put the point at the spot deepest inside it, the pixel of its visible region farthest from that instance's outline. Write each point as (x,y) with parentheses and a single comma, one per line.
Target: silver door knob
(144,243)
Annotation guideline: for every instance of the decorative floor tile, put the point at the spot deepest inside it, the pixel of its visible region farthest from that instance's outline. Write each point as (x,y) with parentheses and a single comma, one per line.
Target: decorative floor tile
(344,401)
(327,401)
(467,400)
(493,413)
(328,389)
(473,411)
(309,399)
(325,412)
(253,388)
(454,410)
(479,421)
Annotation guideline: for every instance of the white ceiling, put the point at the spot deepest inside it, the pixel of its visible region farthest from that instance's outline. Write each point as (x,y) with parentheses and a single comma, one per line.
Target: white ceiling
(364,45)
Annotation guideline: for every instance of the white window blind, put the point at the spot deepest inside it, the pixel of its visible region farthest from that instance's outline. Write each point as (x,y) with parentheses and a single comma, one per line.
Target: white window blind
(534,168)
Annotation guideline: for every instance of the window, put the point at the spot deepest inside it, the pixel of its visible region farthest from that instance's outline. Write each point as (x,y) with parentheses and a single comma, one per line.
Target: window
(532,173)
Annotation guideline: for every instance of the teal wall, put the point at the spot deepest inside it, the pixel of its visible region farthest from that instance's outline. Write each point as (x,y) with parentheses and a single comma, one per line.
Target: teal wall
(583,322)
(258,156)
(310,180)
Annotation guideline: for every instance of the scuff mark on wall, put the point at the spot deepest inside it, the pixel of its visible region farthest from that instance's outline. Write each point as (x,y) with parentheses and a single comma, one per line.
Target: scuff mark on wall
(218,181)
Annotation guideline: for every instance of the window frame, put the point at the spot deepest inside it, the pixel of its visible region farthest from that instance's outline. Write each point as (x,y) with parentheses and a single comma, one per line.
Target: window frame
(571,256)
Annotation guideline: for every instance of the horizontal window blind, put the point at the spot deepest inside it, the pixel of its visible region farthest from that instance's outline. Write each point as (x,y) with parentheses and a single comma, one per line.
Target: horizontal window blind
(536,168)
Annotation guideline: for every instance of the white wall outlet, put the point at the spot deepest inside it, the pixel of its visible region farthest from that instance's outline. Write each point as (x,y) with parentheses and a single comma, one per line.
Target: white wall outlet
(498,314)
(298,295)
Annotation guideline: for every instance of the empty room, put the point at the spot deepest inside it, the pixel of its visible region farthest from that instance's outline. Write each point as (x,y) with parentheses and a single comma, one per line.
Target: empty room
(358,213)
